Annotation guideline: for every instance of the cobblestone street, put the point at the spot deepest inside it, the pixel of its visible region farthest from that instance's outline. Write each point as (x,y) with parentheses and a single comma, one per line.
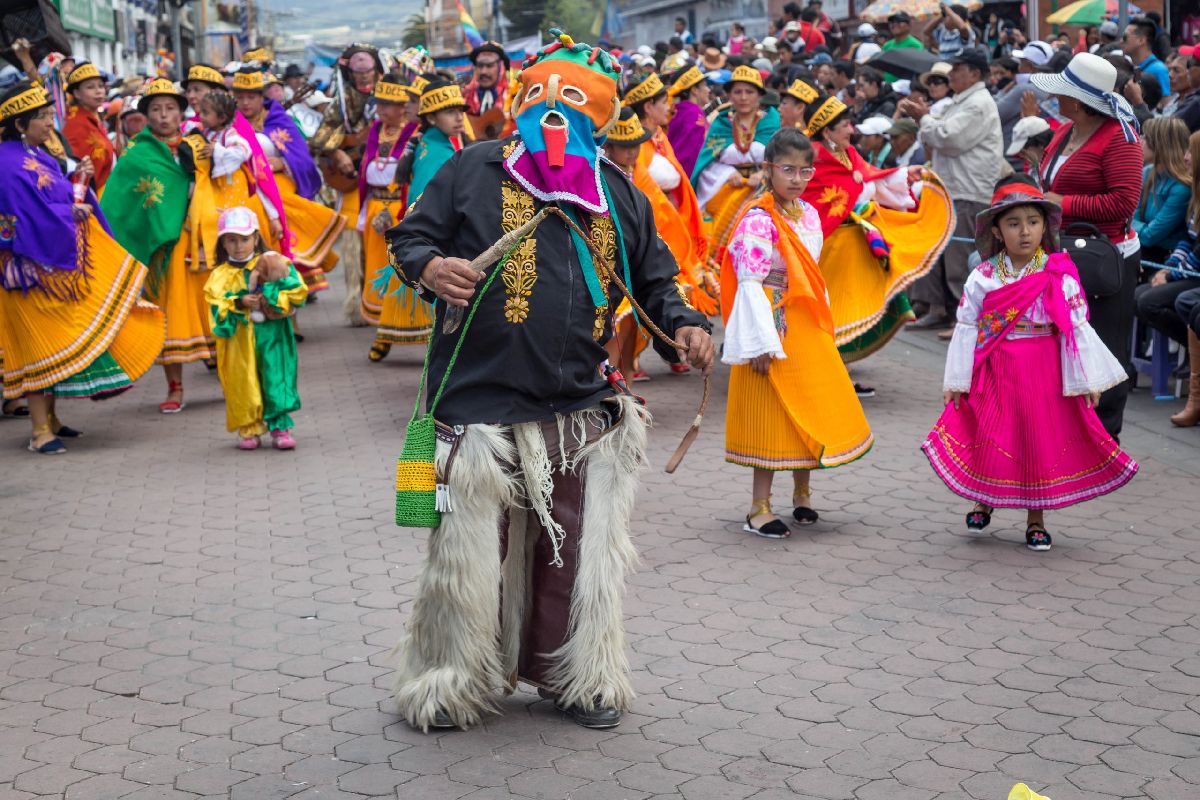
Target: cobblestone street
(179,619)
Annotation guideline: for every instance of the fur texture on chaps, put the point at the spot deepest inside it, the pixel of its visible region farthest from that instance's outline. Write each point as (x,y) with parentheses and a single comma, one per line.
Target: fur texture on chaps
(450,657)
(351,252)
(464,634)
(592,667)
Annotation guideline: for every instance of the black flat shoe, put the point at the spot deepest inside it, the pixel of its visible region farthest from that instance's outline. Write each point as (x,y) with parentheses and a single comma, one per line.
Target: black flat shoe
(775,529)
(1037,538)
(441,720)
(805,515)
(67,432)
(864,391)
(599,718)
(979,518)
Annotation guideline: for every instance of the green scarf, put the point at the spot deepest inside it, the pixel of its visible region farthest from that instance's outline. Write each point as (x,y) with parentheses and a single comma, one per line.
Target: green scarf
(720,136)
(145,201)
(434,151)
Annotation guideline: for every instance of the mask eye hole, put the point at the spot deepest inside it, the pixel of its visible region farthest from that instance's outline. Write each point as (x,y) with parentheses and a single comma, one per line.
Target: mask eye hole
(533,92)
(573,95)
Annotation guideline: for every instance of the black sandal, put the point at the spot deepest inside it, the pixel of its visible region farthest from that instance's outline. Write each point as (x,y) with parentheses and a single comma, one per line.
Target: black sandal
(1037,538)
(979,518)
(11,408)
(775,529)
(803,511)
(379,352)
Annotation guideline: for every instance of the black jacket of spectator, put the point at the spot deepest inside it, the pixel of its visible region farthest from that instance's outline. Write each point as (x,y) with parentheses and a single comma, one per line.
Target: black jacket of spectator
(884,104)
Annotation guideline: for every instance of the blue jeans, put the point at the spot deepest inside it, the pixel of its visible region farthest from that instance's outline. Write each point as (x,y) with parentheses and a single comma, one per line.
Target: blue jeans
(1187,306)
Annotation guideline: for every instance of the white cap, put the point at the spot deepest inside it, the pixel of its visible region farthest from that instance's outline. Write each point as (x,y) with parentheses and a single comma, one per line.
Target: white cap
(317,98)
(866,51)
(1025,129)
(769,44)
(645,50)
(903,86)
(239,220)
(1109,28)
(874,126)
(1036,53)
(867,29)
(791,26)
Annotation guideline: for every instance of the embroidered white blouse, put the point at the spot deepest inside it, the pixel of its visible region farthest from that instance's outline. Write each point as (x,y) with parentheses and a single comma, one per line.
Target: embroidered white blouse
(718,173)
(1095,370)
(230,151)
(755,328)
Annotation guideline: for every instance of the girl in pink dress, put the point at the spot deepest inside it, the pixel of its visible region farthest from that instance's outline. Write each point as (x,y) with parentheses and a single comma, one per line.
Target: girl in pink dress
(1023,375)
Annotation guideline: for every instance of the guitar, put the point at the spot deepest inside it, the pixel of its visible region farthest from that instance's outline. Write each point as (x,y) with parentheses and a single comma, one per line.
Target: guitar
(353,145)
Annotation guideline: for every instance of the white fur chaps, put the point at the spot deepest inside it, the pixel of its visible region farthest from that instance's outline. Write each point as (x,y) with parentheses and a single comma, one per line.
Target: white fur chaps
(522,503)
(351,251)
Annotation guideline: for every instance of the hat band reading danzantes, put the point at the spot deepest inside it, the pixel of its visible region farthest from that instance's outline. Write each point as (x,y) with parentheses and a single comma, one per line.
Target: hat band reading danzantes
(626,130)
(84,72)
(645,90)
(686,81)
(802,91)
(25,101)
(205,75)
(437,99)
(1128,121)
(825,114)
(248,82)
(391,92)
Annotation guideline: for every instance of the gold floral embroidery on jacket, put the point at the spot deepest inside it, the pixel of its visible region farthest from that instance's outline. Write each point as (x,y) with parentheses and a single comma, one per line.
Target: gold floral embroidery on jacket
(520,271)
(604,235)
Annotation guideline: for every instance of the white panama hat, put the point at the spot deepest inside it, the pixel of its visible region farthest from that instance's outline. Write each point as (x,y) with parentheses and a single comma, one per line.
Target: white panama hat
(1090,80)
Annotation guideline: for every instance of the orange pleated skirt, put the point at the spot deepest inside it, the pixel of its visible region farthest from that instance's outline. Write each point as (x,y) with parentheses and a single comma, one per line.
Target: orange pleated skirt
(803,414)
(45,340)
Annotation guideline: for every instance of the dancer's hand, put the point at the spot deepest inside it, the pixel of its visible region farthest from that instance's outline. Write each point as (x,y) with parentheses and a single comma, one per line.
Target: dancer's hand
(952,397)
(81,211)
(451,279)
(699,348)
(276,229)
(1093,399)
(761,364)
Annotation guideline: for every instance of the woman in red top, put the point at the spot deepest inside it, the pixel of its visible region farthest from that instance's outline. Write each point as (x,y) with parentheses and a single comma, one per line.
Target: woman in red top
(1093,169)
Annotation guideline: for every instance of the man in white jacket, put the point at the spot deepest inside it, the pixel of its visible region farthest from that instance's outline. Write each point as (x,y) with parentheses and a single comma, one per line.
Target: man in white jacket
(966,148)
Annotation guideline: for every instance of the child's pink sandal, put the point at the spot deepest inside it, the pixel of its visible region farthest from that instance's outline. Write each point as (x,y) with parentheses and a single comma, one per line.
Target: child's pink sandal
(249,443)
(283,440)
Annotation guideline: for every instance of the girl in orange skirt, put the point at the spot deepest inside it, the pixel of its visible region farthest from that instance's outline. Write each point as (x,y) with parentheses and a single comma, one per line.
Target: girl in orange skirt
(791,404)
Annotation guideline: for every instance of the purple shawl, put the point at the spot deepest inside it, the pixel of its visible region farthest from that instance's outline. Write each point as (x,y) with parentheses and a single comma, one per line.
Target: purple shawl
(686,132)
(37,226)
(373,150)
(293,149)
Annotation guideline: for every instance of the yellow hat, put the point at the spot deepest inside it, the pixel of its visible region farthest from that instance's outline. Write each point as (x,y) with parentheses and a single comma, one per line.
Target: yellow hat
(391,92)
(802,91)
(272,79)
(28,100)
(161,87)
(204,74)
(686,80)
(259,54)
(750,75)
(826,113)
(628,130)
(249,81)
(649,88)
(85,71)
(418,85)
(439,95)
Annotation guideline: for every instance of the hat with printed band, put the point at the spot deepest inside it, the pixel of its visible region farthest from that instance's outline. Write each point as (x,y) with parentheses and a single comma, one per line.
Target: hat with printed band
(802,91)
(28,100)
(685,80)
(389,92)
(440,95)
(249,80)
(161,87)
(628,131)
(203,73)
(84,72)
(650,88)
(749,75)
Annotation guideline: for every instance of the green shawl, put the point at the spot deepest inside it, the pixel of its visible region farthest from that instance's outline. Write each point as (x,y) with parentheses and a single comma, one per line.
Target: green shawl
(146,199)
(434,150)
(720,136)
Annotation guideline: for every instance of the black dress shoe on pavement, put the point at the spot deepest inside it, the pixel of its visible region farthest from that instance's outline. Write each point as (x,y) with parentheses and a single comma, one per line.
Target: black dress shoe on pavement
(598,718)
(441,720)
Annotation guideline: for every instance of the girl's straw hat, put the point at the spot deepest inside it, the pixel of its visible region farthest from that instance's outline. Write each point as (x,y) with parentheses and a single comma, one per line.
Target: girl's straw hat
(1016,190)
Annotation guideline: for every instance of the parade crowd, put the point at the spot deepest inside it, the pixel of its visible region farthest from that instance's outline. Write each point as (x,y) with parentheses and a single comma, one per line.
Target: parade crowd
(817,191)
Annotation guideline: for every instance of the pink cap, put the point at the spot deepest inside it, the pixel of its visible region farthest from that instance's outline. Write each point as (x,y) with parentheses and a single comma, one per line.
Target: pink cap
(239,220)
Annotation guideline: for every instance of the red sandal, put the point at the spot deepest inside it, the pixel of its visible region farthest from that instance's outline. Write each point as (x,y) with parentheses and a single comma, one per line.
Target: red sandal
(171,406)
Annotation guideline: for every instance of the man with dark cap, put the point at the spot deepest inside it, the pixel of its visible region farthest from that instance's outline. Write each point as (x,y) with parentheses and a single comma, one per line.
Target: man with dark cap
(487,93)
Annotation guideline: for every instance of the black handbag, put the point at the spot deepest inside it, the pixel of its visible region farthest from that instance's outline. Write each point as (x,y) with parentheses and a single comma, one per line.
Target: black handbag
(1101,265)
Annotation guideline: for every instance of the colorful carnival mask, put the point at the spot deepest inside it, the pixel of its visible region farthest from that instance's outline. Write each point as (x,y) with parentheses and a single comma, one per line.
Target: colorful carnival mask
(566,103)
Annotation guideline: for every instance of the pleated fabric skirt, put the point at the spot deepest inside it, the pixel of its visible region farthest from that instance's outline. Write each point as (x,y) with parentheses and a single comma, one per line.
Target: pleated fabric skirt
(862,293)
(94,345)
(315,228)
(375,258)
(180,294)
(405,318)
(1015,442)
(803,414)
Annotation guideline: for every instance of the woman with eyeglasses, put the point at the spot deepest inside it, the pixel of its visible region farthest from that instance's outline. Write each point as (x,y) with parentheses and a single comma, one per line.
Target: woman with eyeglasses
(71,323)
(791,404)
(878,239)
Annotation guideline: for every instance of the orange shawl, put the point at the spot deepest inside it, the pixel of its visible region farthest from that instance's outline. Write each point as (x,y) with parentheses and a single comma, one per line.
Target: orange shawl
(683,196)
(805,283)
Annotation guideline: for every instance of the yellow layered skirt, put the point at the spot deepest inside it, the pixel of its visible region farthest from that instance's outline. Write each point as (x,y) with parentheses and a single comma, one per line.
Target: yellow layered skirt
(375,257)
(180,294)
(45,341)
(860,290)
(725,209)
(803,414)
(315,228)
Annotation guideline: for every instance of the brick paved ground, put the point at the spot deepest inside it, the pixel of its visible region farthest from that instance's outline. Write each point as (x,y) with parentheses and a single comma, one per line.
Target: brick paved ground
(182,620)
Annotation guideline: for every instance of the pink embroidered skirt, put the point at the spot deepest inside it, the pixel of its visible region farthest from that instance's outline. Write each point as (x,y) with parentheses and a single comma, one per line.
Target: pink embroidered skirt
(1015,442)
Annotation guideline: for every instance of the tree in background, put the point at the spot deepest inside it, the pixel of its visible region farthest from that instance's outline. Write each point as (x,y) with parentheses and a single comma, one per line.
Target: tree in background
(416,30)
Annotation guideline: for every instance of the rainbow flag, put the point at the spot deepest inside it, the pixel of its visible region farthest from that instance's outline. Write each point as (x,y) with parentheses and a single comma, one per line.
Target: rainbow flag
(471,34)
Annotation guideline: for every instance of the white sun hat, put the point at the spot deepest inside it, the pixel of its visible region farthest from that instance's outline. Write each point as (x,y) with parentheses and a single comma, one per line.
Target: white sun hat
(874,126)
(1090,80)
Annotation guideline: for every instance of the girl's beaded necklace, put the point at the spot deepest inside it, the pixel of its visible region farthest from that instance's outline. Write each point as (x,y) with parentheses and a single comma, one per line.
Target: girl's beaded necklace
(1007,273)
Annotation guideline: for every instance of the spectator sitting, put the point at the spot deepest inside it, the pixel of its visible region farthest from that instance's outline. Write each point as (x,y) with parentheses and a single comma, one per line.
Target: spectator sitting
(1189,106)
(873,144)
(1093,170)
(1138,45)
(952,32)
(1166,188)
(907,150)
(937,80)
(843,76)
(1030,136)
(1144,94)
(965,146)
(918,90)
(880,99)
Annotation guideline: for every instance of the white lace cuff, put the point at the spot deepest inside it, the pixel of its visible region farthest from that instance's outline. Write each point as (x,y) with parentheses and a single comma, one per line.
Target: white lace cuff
(960,359)
(751,330)
(1095,370)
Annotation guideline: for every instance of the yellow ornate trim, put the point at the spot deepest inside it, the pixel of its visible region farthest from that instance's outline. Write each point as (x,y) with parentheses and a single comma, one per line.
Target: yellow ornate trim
(826,113)
(249,82)
(161,87)
(650,87)
(391,92)
(419,84)
(25,101)
(686,81)
(520,271)
(445,97)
